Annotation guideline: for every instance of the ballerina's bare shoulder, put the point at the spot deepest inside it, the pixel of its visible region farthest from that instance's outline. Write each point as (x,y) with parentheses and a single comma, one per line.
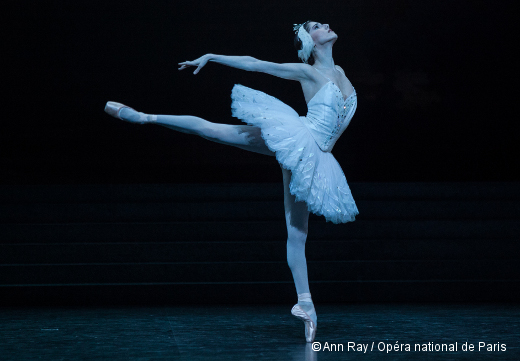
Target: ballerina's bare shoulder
(316,81)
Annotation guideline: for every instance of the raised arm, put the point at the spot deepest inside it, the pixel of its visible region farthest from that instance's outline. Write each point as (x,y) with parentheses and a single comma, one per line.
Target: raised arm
(292,71)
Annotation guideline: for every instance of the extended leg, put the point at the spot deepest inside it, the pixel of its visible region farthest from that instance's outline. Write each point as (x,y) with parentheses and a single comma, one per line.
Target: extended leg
(242,136)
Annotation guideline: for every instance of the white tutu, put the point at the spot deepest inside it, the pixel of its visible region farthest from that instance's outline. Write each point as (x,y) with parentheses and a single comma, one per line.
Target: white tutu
(317,177)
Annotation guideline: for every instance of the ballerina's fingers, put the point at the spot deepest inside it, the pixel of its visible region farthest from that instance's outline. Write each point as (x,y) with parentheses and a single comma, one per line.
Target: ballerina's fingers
(198,68)
(186,64)
(199,63)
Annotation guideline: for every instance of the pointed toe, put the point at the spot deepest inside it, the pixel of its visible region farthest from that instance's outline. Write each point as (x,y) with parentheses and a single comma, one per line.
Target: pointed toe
(113,108)
(310,326)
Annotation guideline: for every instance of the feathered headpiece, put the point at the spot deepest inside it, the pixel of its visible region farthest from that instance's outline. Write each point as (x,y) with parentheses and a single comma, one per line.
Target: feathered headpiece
(307,42)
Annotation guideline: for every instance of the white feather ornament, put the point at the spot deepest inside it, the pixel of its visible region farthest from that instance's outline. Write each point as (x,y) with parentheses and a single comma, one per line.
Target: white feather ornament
(307,42)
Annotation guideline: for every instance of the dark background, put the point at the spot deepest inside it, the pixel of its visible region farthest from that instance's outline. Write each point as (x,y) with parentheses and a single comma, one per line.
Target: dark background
(95,210)
(436,83)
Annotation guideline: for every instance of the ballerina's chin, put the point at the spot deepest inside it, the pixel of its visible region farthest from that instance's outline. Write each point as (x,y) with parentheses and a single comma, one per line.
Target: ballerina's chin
(313,179)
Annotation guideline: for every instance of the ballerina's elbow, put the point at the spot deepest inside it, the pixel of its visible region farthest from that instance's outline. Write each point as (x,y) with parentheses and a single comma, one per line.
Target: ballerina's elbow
(252,64)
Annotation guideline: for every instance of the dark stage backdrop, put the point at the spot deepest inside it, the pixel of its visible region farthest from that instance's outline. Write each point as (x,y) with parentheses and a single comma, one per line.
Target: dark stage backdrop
(435,80)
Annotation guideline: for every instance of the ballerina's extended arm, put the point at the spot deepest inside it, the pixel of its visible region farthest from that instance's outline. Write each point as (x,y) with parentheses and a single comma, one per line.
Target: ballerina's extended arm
(292,71)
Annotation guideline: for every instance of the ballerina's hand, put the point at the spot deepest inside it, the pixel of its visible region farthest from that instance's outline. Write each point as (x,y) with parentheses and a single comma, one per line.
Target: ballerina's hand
(199,63)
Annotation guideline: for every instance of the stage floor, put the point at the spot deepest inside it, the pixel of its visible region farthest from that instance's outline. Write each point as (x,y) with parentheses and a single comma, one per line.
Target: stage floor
(261,332)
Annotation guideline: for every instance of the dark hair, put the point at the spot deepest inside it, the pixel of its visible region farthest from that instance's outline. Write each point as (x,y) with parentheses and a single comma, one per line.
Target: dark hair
(298,42)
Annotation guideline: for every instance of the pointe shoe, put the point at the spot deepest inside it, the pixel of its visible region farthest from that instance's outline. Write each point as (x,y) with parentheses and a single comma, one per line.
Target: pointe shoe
(310,327)
(113,109)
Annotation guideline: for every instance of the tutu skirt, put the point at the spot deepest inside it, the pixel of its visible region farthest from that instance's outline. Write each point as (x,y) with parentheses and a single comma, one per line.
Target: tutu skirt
(316,176)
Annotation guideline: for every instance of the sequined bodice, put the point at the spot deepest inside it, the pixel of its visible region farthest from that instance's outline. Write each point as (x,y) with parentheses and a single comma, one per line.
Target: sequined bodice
(329,114)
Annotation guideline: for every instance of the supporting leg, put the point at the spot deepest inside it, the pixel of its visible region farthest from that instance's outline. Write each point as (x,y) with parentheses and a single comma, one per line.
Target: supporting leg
(297,220)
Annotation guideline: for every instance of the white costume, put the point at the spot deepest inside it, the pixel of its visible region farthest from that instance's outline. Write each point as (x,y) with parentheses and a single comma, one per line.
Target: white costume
(303,144)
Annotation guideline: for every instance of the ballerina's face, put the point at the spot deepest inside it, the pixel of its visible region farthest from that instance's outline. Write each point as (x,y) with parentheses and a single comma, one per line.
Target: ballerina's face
(321,33)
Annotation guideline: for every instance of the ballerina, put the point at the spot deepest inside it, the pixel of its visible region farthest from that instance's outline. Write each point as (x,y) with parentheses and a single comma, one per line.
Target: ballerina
(313,180)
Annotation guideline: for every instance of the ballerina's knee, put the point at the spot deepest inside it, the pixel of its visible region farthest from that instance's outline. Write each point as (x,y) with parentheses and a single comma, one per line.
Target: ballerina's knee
(296,253)
(296,237)
(223,133)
